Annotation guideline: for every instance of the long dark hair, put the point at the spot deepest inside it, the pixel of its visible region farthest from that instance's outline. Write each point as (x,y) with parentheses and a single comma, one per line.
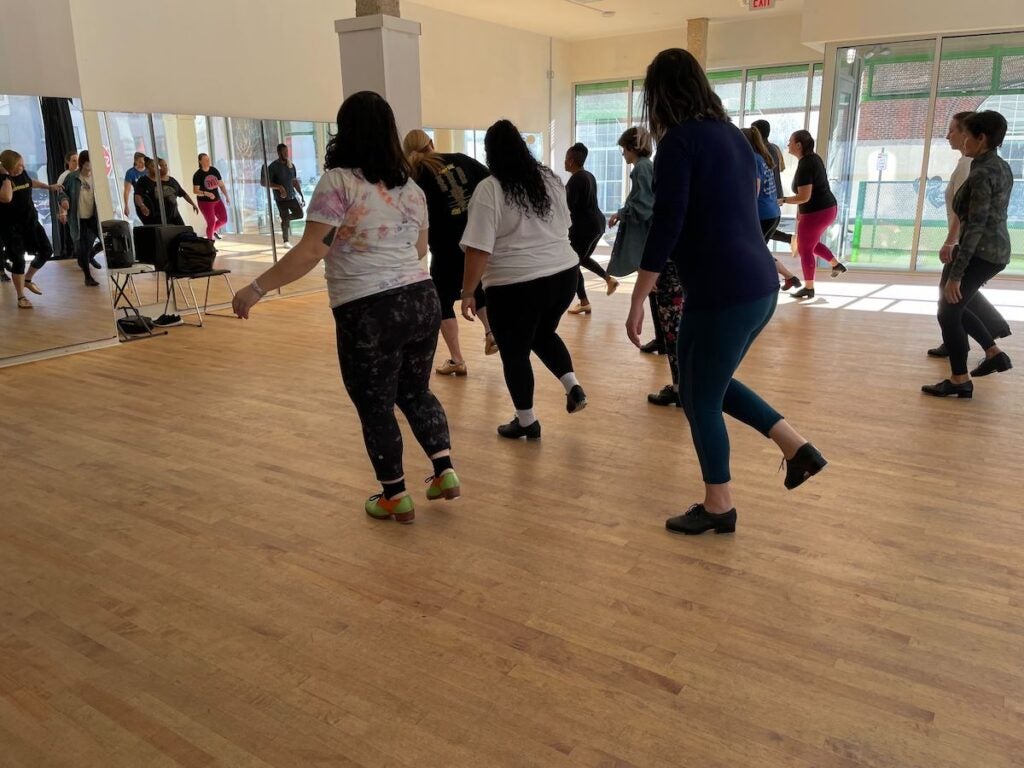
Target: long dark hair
(676,90)
(367,140)
(520,175)
(757,143)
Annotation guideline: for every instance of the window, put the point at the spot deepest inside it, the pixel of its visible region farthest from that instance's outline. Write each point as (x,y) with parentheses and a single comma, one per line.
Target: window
(890,167)
(602,114)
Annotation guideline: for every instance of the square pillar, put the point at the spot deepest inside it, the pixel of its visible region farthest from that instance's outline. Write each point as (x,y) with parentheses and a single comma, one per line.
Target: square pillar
(697,40)
(382,54)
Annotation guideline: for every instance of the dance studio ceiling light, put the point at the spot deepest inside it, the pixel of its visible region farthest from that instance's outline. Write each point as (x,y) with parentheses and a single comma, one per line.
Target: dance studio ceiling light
(590,5)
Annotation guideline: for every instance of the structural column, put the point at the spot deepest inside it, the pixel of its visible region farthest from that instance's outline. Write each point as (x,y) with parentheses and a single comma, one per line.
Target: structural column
(380,52)
(697,40)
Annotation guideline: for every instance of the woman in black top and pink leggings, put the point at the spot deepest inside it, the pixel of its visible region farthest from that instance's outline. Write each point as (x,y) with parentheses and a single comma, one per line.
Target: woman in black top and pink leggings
(816,213)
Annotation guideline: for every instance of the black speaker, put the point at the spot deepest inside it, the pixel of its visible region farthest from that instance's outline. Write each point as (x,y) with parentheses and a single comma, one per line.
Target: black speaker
(153,243)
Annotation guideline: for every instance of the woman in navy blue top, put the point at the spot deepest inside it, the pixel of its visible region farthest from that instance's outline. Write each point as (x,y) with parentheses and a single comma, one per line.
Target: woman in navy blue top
(714,238)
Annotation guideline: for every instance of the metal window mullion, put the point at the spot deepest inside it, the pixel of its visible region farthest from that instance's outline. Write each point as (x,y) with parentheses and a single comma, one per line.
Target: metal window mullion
(743,95)
(810,96)
(926,155)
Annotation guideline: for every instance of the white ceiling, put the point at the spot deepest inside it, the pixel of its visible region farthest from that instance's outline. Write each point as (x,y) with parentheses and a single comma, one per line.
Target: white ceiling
(569,21)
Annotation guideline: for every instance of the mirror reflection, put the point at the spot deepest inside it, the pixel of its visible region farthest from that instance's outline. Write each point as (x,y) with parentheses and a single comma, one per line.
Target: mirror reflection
(51,294)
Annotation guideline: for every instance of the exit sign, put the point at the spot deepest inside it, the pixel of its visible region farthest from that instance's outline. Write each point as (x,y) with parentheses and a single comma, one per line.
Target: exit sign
(757,5)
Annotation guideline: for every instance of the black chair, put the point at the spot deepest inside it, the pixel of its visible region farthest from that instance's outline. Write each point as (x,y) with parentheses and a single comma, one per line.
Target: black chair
(173,281)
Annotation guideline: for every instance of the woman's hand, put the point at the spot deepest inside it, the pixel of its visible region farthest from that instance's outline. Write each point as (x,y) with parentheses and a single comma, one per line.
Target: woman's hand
(613,220)
(244,300)
(635,320)
(469,308)
(952,292)
(946,253)
(143,210)
(195,209)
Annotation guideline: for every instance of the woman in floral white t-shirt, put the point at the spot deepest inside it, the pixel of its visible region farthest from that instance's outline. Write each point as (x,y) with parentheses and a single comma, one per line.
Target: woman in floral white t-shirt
(368,221)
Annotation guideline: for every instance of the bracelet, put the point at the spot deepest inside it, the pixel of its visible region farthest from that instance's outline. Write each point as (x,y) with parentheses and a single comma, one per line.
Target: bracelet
(256,287)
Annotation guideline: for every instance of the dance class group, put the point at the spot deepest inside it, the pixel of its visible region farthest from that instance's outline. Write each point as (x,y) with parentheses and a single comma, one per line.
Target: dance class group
(508,240)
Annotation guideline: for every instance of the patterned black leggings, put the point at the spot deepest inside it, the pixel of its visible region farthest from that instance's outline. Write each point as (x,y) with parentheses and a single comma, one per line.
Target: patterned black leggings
(386,346)
(667,310)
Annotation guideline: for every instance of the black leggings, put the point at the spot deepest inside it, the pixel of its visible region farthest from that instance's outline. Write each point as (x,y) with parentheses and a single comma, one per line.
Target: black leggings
(781,237)
(957,320)
(386,346)
(289,210)
(32,239)
(447,270)
(667,308)
(769,227)
(982,308)
(524,317)
(585,246)
(88,233)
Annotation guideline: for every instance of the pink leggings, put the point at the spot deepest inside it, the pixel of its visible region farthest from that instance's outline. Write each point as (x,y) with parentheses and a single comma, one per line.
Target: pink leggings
(809,229)
(216,215)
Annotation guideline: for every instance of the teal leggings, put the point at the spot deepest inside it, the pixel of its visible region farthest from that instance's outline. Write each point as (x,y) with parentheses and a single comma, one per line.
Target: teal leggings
(712,343)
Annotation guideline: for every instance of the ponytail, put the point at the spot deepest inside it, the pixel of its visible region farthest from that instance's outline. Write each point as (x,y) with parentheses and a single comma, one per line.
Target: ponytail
(418,150)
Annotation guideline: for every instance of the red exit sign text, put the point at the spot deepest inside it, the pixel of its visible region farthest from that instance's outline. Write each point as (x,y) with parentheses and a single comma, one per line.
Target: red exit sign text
(757,5)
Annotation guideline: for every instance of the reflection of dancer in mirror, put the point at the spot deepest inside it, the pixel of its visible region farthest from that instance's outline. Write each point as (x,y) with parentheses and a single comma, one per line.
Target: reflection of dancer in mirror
(368,222)
(146,195)
(283,178)
(587,222)
(19,224)
(132,175)
(448,180)
(78,204)
(211,194)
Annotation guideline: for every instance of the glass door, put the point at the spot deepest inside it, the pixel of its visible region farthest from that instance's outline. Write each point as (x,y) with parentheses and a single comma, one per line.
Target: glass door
(879,127)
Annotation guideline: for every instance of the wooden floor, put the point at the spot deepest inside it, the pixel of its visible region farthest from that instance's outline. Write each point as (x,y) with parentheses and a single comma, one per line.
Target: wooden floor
(187,577)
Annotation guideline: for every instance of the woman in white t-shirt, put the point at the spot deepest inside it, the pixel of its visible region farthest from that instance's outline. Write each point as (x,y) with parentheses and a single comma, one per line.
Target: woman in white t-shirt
(368,220)
(517,242)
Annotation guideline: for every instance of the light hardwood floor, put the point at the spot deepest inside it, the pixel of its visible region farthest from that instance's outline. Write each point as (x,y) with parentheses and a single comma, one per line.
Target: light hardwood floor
(187,577)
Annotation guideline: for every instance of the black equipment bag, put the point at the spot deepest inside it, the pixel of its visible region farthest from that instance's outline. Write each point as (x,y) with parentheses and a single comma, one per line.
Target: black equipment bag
(193,255)
(117,243)
(155,243)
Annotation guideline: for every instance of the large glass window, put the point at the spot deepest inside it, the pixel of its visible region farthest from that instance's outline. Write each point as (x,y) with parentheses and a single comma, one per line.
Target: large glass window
(890,166)
(602,114)
(729,87)
(875,154)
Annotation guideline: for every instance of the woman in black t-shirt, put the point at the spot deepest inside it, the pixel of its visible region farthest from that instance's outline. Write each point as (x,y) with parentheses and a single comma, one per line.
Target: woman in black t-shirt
(146,195)
(816,212)
(211,194)
(20,229)
(586,222)
(448,182)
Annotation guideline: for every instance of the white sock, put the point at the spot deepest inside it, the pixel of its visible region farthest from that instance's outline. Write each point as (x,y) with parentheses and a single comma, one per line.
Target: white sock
(526,418)
(569,381)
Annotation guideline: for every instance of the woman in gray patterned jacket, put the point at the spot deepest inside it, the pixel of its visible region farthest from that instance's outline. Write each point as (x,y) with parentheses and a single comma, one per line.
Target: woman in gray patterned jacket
(983,252)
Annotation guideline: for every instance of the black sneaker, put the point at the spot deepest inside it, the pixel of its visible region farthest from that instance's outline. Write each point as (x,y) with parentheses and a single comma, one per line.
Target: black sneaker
(94,264)
(803,293)
(945,388)
(91,281)
(576,400)
(697,520)
(665,396)
(839,269)
(939,351)
(513,430)
(216,236)
(4,278)
(167,321)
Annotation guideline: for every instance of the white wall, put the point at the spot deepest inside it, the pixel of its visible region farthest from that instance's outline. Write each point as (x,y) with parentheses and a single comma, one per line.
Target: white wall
(759,42)
(243,58)
(834,21)
(37,53)
(474,72)
(611,58)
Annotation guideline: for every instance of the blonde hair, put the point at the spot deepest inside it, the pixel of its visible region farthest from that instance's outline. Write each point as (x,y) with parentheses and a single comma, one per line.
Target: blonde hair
(8,159)
(636,140)
(418,150)
(757,143)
